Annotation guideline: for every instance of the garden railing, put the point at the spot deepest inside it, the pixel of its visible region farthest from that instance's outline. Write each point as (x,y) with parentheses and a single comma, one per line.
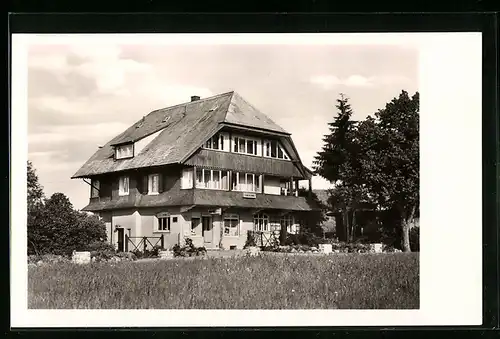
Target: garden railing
(142,246)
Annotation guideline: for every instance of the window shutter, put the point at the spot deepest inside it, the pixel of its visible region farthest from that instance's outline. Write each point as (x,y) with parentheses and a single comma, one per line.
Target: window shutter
(187,178)
(160,182)
(145,184)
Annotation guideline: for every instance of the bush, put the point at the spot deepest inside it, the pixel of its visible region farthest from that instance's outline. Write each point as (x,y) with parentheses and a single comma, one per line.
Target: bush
(189,250)
(100,246)
(152,253)
(250,242)
(308,239)
(345,247)
(56,228)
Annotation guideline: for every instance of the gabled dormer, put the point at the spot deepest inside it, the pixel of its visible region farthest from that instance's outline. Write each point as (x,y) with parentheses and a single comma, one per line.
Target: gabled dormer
(124,151)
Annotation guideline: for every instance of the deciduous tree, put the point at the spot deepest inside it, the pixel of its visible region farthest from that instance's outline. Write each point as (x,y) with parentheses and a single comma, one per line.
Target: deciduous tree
(35,190)
(390,161)
(54,226)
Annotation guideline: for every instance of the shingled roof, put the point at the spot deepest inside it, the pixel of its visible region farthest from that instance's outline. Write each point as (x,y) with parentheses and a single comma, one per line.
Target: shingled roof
(182,130)
(203,198)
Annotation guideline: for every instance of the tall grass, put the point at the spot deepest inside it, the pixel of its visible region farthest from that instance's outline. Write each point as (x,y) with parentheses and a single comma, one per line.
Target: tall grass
(269,282)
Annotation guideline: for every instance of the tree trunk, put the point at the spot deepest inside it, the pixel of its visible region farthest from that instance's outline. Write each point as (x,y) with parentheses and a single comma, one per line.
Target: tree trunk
(282,234)
(353,225)
(406,236)
(406,220)
(345,222)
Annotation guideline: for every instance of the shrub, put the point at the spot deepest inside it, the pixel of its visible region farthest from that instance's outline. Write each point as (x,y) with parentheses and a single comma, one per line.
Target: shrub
(250,242)
(345,247)
(56,228)
(188,250)
(292,239)
(305,238)
(100,246)
(152,253)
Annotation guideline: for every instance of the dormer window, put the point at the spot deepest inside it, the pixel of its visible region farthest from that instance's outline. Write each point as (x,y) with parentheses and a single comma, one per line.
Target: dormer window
(124,151)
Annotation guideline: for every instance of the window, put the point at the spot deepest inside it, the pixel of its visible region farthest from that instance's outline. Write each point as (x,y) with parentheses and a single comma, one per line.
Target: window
(94,189)
(216,142)
(273,149)
(123,186)
(287,221)
(124,151)
(231,225)
(286,187)
(211,179)
(261,222)
(246,182)
(153,183)
(164,224)
(187,178)
(174,219)
(245,145)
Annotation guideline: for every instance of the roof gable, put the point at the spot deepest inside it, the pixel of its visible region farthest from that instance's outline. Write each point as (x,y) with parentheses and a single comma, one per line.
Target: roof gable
(242,113)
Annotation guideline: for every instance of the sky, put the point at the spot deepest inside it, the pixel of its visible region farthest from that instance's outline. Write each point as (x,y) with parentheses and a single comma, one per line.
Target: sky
(81,95)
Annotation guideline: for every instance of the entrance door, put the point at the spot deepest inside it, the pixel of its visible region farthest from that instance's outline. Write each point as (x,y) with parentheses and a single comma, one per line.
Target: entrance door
(120,239)
(207,231)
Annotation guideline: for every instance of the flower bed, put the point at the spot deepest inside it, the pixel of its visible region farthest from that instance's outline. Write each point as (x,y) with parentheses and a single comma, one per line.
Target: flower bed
(337,247)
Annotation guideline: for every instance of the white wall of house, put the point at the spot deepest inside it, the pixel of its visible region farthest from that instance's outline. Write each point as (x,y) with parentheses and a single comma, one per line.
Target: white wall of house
(144,223)
(125,219)
(140,144)
(106,217)
(272,185)
(149,225)
(245,225)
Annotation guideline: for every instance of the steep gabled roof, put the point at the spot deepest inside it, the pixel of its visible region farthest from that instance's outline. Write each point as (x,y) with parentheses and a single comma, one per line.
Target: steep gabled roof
(242,113)
(182,130)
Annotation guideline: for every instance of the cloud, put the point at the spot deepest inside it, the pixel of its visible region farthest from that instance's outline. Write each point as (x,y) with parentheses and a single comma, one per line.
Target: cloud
(102,132)
(52,62)
(358,81)
(102,63)
(330,81)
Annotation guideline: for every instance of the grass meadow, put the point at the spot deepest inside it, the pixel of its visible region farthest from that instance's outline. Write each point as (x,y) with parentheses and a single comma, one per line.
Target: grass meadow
(350,281)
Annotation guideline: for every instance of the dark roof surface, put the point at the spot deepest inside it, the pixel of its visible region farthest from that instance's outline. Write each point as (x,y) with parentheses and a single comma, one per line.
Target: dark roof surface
(183,128)
(203,198)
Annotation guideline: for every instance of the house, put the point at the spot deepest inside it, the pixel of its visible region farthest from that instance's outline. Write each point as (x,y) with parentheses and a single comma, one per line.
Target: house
(210,169)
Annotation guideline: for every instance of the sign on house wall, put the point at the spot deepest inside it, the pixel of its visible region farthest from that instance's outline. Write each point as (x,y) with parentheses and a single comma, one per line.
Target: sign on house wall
(217,211)
(249,195)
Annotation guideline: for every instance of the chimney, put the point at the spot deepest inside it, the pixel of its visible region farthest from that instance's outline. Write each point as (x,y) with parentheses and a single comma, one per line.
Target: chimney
(195,98)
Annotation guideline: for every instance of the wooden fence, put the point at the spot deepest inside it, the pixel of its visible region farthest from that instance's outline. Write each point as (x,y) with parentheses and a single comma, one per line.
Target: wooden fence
(145,243)
(265,238)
